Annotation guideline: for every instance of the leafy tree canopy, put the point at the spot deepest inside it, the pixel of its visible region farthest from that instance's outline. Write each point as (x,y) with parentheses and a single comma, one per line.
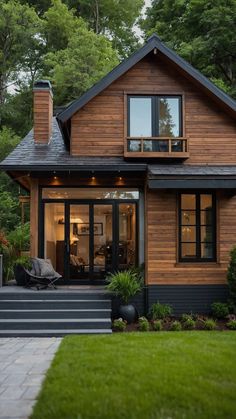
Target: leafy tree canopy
(202,32)
(77,58)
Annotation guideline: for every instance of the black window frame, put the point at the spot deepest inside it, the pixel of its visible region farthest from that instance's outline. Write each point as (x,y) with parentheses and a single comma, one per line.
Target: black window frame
(198,226)
(155,113)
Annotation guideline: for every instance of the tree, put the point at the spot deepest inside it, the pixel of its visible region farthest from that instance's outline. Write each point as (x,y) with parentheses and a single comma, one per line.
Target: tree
(18,28)
(202,32)
(112,18)
(77,58)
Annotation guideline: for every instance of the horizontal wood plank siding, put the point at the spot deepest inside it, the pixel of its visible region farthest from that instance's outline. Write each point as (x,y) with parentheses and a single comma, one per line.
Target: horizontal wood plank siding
(162,244)
(98,128)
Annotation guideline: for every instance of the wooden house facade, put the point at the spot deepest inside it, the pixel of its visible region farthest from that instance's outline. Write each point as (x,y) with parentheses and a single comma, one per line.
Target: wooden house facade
(140,170)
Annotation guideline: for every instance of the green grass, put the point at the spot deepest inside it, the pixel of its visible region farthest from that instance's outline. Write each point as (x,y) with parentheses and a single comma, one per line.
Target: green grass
(162,375)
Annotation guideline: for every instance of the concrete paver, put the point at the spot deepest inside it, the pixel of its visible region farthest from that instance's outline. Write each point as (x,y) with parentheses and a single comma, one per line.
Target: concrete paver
(23,365)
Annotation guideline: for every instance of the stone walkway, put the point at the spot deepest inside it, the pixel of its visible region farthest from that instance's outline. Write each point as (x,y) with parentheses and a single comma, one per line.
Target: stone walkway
(23,364)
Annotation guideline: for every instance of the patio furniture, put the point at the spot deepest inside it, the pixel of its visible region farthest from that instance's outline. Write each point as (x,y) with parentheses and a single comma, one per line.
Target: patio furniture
(42,275)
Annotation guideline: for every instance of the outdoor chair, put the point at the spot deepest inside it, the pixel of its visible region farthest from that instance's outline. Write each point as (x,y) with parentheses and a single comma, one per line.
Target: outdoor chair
(42,274)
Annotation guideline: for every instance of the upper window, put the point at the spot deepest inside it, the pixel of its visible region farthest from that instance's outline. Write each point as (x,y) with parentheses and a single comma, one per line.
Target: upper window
(154,116)
(197,227)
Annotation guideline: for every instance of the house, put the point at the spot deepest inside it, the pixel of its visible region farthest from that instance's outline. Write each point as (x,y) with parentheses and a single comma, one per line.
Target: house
(139,170)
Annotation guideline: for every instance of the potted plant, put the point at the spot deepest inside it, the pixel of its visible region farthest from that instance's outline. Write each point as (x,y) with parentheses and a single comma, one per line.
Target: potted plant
(125,285)
(19,272)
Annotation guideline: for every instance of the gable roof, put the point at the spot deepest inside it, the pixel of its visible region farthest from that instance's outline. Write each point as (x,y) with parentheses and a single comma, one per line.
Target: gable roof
(152,43)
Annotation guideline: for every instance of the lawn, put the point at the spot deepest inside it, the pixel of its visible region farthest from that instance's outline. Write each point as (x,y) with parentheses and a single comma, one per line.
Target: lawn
(165,375)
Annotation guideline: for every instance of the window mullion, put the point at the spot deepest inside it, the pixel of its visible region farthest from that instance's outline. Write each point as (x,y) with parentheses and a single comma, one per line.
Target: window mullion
(198,226)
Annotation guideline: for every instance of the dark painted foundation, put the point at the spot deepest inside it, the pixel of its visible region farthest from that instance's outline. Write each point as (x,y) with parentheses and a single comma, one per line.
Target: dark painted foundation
(182,298)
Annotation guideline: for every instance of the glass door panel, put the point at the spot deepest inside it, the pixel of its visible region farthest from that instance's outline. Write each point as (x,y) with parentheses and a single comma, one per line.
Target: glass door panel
(79,242)
(127,236)
(54,235)
(102,240)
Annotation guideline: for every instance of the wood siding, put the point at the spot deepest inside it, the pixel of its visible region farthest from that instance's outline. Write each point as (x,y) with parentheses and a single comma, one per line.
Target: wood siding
(99,127)
(162,265)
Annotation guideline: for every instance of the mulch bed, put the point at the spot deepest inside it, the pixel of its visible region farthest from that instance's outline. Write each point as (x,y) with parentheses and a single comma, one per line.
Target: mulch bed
(166,325)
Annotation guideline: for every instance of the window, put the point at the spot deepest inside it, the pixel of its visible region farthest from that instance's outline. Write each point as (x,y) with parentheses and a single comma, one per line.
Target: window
(154,116)
(197,227)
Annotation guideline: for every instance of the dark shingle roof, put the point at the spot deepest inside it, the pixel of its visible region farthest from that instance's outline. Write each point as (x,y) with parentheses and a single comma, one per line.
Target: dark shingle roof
(54,156)
(190,170)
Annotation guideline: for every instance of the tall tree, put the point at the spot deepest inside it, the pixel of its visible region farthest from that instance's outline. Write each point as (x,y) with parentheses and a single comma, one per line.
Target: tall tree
(18,28)
(112,18)
(202,32)
(77,57)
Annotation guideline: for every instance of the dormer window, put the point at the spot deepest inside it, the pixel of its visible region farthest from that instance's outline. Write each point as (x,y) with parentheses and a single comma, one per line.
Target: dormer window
(155,126)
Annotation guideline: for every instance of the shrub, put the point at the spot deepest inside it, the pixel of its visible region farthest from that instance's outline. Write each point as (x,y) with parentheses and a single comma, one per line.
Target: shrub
(20,238)
(189,324)
(124,284)
(119,324)
(219,310)
(231,275)
(231,324)
(176,326)
(186,317)
(160,311)
(143,324)
(209,324)
(157,325)
(23,261)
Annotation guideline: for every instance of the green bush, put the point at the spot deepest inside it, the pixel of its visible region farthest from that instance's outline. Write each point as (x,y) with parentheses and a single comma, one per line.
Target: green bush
(209,324)
(176,326)
(157,325)
(124,284)
(20,238)
(143,324)
(231,324)
(231,275)
(23,261)
(160,311)
(119,325)
(219,310)
(186,317)
(189,324)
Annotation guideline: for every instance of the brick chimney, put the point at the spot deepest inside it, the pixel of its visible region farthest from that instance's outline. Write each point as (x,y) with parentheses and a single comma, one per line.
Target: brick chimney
(43,111)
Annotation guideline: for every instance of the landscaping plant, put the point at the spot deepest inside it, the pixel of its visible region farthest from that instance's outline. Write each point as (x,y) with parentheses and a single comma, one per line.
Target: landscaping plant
(160,311)
(209,324)
(119,325)
(189,324)
(157,325)
(219,310)
(231,324)
(143,324)
(176,326)
(124,284)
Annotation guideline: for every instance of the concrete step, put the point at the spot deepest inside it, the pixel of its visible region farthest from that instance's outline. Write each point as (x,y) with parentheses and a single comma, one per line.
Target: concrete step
(48,324)
(51,333)
(55,314)
(35,304)
(55,295)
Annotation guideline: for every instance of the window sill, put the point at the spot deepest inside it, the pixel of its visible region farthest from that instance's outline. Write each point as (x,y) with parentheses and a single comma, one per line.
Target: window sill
(198,264)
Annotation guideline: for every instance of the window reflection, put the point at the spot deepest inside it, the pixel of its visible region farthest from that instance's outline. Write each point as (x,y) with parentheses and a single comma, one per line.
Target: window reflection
(169,113)
(140,117)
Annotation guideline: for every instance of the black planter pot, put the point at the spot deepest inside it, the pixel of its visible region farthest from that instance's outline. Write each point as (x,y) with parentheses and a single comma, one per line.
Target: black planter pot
(128,313)
(20,275)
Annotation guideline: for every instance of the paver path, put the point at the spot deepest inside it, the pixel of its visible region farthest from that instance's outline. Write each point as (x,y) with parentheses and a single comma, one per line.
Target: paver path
(23,364)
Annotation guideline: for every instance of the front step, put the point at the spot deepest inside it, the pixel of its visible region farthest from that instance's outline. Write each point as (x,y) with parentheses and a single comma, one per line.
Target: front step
(54,313)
